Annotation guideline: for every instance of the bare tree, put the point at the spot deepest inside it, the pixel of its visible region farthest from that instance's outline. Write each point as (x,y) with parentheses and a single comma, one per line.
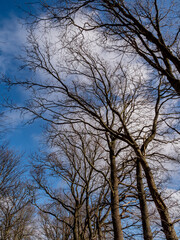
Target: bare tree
(52,228)
(149,28)
(84,191)
(9,170)
(110,97)
(16,211)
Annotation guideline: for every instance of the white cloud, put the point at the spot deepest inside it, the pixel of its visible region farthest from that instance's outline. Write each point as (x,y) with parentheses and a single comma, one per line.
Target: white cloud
(12,37)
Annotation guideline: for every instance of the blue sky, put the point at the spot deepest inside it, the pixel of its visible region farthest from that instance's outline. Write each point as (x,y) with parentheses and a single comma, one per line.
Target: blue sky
(24,138)
(9,7)
(13,7)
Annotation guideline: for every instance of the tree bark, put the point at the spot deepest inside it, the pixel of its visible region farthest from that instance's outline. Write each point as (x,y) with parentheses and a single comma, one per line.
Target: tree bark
(75,228)
(167,225)
(99,230)
(116,219)
(88,215)
(143,204)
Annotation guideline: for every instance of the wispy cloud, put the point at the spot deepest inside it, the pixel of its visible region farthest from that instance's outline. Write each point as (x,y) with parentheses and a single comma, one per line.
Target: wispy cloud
(12,38)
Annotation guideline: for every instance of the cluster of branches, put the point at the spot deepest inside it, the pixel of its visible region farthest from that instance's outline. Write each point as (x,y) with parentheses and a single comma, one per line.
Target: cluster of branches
(108,87)
(16,211)
(149,28)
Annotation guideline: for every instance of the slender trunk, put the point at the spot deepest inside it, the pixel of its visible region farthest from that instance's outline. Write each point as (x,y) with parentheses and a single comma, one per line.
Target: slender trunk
(116,219)
(88,215)
(167,225)
(75,228)
(143,204)
(99,230)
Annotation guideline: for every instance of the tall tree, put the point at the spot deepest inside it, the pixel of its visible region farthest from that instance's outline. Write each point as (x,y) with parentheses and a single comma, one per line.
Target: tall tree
(112,96)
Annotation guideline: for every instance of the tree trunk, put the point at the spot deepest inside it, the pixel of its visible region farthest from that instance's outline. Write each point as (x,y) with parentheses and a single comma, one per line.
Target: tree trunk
(116,219)
(88,215)
(75,228)
(167,225)
(99,231)
(143,204)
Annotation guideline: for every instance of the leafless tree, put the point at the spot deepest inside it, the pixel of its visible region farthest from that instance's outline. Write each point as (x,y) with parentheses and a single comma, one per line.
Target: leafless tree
(84,190)
(52,228)
(114,98)
(16,211)
(9,170)
(86,158)
(149,28)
